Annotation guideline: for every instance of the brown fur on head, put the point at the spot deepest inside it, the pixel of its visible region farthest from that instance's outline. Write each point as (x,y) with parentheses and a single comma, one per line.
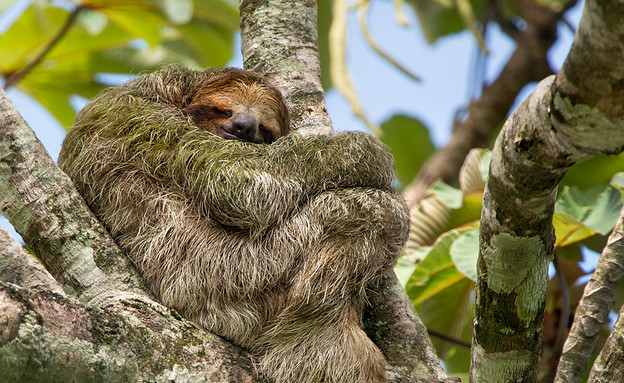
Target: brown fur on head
(239,105)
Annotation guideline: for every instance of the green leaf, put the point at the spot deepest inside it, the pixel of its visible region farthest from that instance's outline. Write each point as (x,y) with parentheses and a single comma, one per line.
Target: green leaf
(439,18)
(436,272)
(469,212)
(597,208)
(451,196)
(569,230)
(484,164)
(618,181)
(451,313)
(148,29)
(28,36)
(404,269)
(464,252)
(409,143)
(92,21)
(597,170)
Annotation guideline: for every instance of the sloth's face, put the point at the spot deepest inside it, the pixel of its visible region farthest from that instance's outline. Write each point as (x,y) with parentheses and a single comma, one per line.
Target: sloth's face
(239,111)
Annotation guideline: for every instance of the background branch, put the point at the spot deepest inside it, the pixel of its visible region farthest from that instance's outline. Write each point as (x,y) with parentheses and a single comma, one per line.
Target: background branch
(592,313)
(13,78)
(527,64)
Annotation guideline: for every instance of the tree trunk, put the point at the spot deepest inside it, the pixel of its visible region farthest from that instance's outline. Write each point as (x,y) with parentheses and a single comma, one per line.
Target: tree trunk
(568,118)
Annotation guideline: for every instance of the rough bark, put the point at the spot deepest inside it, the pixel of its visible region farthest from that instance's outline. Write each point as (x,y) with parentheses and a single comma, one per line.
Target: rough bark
(49,338)
(566,119)
(592,313)
(280,40)
(609,366)
(527,64)
(20,268)
(393,324)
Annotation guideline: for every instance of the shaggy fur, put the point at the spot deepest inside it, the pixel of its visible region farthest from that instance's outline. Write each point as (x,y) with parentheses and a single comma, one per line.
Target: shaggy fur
(270,246)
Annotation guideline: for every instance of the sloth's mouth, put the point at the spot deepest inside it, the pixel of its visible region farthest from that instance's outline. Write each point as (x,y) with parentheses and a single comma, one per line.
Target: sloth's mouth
(228,136)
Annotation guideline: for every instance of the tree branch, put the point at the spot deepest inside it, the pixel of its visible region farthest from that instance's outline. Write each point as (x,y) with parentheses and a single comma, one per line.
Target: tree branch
(592,313)
(528,63)
(48,338)
(567,119)
(42,204)
(279,40)
(20,268)
(609,366)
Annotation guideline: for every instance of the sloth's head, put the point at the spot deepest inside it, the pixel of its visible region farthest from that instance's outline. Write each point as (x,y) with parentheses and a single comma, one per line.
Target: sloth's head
(239,105)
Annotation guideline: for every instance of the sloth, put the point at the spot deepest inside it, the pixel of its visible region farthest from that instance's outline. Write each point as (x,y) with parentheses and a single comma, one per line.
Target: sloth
(263,237)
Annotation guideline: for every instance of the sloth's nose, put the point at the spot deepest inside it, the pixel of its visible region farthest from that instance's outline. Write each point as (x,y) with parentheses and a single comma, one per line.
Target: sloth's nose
(244,126)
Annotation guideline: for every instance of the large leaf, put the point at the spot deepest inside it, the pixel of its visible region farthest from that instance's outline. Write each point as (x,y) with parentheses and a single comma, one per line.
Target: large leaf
(597,208)
(569,230)
(436,272)
(468,213)
(410,144)
(451,196)
(113,37)
(451,313)
(597,170)
(464,252)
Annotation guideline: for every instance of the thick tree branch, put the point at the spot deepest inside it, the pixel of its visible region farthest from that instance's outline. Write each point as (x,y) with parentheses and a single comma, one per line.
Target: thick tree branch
(609,366)
(563,121)
(20,268)
(48,338)
(393,324)
(592,313)
(527,64)
(279,39)
(42,204)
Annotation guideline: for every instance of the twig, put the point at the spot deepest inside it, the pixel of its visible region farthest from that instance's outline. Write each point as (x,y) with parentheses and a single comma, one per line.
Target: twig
(13,78)
(564,315)
(449,339)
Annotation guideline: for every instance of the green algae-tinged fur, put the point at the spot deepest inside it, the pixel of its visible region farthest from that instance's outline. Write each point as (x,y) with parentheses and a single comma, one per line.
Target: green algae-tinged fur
(270,246)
